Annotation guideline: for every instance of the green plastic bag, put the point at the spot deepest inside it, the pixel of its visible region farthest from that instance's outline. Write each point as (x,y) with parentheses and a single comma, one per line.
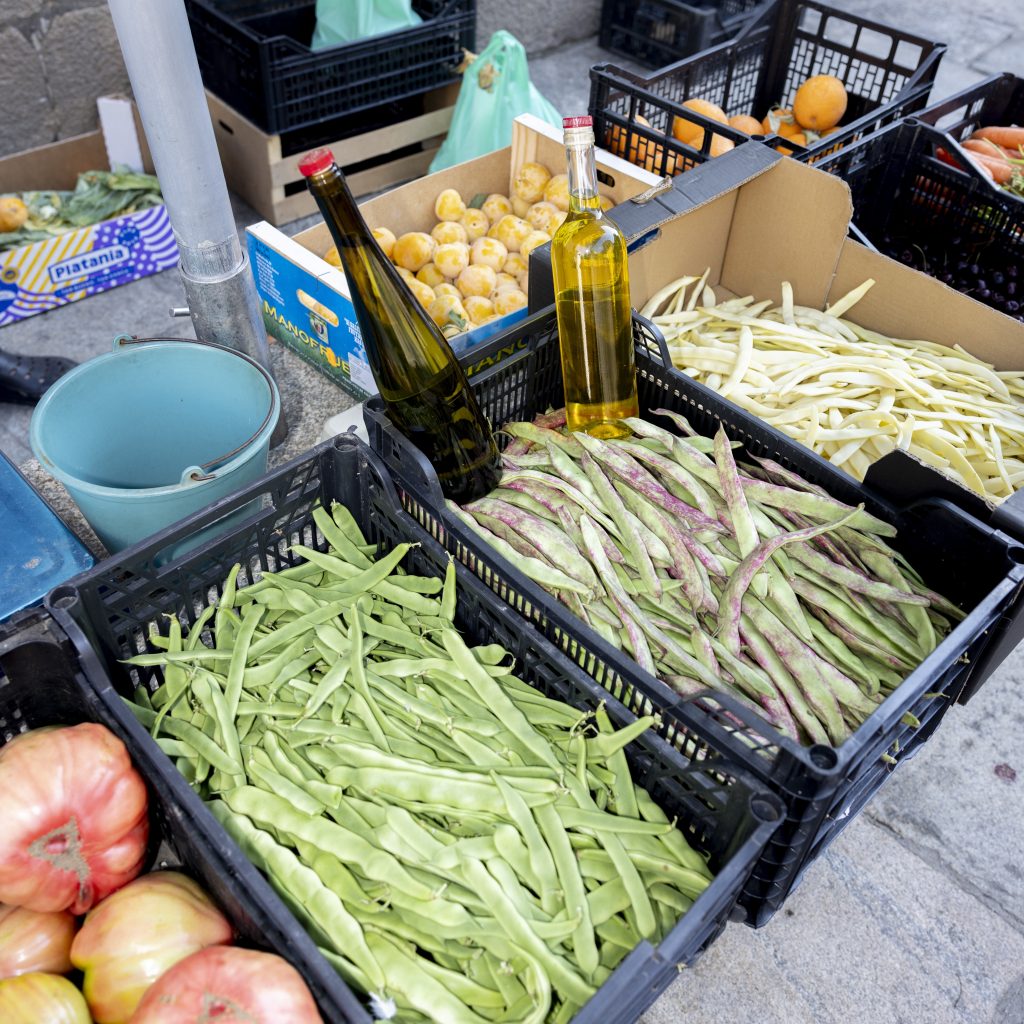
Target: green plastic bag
(495,90)
(345,21)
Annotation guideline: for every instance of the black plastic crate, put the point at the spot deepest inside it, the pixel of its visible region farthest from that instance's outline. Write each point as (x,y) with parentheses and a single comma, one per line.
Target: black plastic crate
(887,73)
(823,787)
(41,684)
(255,54)
(914,206)
(109,612)
(998,100)
(658,32)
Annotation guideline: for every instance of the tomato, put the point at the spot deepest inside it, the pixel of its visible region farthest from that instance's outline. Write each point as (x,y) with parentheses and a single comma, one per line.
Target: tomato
(229,986)
(74,818)
(134,936)
(30,941)
(41,999)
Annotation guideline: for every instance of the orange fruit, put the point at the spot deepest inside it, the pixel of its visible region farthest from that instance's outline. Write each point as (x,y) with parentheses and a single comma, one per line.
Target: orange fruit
(720,144)
(780,121)
(746,123)
(618,135)
(820,103)
(642,152)
(799,138)
(690,133)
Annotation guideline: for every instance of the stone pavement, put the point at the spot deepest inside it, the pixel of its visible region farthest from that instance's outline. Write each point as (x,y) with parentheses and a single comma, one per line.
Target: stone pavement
(915,915)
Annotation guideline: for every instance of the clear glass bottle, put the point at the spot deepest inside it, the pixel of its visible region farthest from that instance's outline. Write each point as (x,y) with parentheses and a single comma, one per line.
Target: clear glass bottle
(421,382)
(591,280)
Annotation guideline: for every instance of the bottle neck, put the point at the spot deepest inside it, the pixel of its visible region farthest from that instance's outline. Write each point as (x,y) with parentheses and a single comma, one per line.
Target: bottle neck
(583,193)
(329,187)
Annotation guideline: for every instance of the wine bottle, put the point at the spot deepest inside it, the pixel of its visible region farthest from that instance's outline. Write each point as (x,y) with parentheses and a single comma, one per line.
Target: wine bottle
(591,279)
(423,387)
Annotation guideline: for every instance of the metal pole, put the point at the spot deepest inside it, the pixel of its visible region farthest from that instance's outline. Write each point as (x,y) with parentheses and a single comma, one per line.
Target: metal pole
(161,60)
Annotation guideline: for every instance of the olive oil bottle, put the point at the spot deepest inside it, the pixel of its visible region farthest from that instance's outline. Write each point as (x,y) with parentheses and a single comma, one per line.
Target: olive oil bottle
(419,379)
(591,279)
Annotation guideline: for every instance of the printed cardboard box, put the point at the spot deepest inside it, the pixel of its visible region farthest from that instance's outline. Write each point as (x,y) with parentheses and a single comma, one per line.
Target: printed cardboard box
(56,271)
(305,300)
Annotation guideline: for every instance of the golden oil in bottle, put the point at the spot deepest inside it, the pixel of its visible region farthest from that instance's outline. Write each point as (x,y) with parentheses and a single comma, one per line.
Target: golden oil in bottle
(591,280)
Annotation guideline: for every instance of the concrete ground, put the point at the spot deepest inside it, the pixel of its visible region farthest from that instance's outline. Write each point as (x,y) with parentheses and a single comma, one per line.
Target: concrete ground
(916,914)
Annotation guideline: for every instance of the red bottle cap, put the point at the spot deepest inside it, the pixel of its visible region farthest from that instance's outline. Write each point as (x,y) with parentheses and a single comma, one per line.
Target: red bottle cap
(315,161)
(577,122)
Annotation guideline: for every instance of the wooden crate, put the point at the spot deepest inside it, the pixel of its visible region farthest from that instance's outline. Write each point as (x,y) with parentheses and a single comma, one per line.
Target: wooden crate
(258,169)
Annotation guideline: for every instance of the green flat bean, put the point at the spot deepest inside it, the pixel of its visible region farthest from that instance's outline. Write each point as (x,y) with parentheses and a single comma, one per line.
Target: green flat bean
(270,809)
(564,979)
(407,978)
(320,902)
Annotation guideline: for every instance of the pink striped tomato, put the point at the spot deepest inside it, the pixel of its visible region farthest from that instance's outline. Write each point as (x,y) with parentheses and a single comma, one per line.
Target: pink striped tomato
(74,818)
(229,986)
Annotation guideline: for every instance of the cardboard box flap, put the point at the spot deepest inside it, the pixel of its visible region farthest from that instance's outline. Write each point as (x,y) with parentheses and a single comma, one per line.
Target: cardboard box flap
(904,303)
(54,166)
(694,189)
(798,215)
(682,247)
(58,164)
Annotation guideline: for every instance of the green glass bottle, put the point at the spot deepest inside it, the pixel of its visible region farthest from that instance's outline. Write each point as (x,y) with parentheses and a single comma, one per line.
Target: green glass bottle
(419,379)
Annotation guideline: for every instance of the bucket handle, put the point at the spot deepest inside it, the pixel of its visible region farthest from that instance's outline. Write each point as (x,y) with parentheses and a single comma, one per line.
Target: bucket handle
(202,473)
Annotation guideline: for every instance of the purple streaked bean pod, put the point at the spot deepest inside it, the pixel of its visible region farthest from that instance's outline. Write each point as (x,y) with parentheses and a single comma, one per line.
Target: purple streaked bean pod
(679,481)
(791,650)
(547,576)
(735,499)
(524,501)
(572,530)
(814,506)
(789,689)
(731,604)
(684,568)
(549,540)
(826,607)
(541,435)
(554,482)
(626,468)
(628,534)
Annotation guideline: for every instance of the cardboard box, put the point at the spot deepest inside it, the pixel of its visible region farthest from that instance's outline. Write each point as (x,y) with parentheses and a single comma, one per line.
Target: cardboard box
(758,219)
(306,304)
(56,271)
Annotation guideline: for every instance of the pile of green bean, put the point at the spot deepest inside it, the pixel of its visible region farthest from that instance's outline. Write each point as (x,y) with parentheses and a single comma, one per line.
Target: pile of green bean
(461,847)
(746,579)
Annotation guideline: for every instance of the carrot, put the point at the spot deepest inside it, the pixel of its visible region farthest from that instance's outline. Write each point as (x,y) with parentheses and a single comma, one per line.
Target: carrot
(1009,138)
(986,148)
(998,166)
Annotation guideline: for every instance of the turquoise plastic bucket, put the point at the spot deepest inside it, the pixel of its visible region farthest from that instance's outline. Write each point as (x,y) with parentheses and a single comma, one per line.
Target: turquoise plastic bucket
(154,431)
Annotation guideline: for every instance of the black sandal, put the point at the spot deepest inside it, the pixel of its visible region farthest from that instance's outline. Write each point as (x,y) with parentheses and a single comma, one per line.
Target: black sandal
(25,379)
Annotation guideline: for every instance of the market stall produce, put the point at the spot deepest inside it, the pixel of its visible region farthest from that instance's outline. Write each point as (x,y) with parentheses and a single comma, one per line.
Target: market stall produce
(369,761)
(28,217)
(712,574)
(75,842)
(851,394)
